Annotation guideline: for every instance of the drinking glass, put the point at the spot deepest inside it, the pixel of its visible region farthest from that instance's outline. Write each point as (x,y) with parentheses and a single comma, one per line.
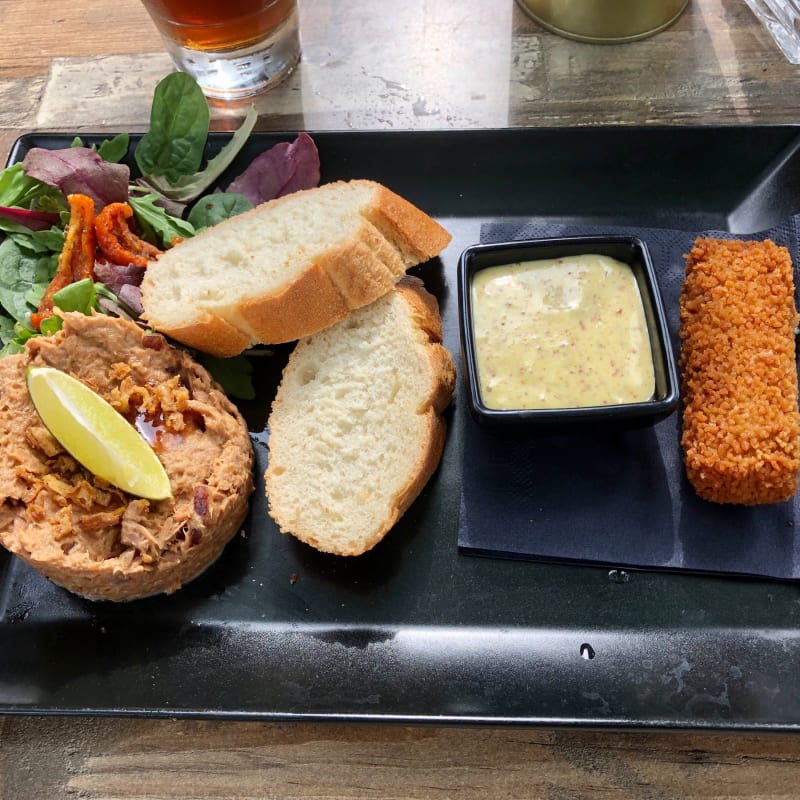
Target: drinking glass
(232,48)
(782,19)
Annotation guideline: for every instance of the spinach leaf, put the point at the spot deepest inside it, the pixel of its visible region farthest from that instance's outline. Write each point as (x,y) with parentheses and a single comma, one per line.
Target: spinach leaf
(111,150)
(217,207)
(35,293)
(20,269)
(179,118)
(6,328)
(114,150)
(77,296)
(51,241)
(234,374)
(48,326)
(156,224)
(16,344)
(188,187)
(18,190)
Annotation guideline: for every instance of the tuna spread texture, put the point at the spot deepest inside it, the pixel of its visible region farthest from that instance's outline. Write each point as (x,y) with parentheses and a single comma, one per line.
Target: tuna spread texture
(87,535)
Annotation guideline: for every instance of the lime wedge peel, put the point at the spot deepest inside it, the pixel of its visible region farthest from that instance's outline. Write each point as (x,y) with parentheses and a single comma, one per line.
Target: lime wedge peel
(96,435)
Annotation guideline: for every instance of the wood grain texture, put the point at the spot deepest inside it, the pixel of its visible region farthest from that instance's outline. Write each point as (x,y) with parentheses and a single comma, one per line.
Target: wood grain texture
(137,759)
(420,64)
(78,66)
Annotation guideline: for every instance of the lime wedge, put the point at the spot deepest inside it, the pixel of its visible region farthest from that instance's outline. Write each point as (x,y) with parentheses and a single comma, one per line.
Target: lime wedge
(96,435)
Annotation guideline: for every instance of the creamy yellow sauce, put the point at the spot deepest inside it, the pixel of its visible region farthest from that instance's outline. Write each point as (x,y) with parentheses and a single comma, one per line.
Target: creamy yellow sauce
(561,333)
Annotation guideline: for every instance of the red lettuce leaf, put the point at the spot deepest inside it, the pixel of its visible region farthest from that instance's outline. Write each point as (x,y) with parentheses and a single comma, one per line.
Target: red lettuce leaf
(35,220)
(283,169)
(79,170)
(115,276)
(132,297)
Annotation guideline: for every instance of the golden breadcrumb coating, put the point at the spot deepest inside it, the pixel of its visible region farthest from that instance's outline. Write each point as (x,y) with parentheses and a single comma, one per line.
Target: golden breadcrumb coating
(741,427)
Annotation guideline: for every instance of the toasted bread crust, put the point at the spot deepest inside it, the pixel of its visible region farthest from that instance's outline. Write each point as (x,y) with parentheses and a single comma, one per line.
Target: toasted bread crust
(211,334)
(428,443)
(393,236)
(425,309)
(426,316)
(334,284)
(412,231)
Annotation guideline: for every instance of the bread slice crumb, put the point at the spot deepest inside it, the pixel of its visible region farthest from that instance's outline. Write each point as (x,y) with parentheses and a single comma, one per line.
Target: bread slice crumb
(356,428)
(288,268)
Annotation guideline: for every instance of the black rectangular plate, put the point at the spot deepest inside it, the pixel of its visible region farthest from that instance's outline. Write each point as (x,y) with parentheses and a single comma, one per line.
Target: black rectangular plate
(414,631)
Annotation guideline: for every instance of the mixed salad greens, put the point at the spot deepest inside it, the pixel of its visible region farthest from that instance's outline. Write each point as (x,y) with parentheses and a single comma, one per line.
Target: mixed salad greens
(61,208)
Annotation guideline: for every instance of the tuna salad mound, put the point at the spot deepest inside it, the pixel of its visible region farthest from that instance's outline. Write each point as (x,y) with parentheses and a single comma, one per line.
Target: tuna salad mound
(85,534)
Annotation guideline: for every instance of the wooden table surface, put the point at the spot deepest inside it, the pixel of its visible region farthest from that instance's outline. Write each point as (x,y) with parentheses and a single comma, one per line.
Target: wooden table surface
(421,64)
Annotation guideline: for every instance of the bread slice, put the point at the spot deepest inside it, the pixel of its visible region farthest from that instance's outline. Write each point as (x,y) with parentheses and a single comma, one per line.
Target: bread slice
(288,268)
(355,430)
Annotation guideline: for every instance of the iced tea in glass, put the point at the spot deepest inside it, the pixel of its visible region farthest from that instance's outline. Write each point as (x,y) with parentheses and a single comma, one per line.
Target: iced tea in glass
(233,48)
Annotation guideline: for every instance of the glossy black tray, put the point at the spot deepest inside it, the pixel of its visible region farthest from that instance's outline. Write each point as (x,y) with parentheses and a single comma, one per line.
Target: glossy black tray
(415,631)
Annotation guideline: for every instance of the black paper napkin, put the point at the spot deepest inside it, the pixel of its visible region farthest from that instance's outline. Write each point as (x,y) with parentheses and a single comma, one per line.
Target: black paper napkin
(616,498)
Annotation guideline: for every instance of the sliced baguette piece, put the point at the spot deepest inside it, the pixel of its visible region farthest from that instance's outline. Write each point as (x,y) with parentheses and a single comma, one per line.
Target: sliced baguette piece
(288,268)
(356,428)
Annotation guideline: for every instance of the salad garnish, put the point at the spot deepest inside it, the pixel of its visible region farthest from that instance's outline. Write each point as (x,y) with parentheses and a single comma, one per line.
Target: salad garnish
(77,257)
(78,227)
(117,242)
(79,170)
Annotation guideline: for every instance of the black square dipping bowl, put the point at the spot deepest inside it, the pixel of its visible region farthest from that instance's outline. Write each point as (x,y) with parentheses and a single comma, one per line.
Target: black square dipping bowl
(626,249)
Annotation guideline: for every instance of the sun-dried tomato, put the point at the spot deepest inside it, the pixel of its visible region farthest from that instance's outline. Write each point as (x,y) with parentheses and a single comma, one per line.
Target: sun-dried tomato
(76,260)
(117,242)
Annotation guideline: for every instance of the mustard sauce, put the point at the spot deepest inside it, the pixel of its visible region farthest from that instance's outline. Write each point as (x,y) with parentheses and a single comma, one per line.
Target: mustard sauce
(561,333)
